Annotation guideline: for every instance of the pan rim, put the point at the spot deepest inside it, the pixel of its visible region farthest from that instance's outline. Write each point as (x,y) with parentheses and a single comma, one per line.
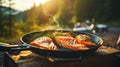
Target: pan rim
(99,44)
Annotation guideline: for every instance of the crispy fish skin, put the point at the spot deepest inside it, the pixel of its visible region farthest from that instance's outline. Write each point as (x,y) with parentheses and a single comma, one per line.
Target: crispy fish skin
(70,43)
(44,43)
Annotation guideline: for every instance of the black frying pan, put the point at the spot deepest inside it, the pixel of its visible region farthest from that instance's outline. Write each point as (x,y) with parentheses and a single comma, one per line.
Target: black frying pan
(61,53)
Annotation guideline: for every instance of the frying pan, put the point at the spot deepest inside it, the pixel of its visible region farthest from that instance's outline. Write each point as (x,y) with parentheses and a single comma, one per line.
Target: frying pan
(61,53)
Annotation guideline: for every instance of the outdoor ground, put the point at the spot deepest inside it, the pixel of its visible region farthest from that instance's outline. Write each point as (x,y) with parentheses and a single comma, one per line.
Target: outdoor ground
(114,29)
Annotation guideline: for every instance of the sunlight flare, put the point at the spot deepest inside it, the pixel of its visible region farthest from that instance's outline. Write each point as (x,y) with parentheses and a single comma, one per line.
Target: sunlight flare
(27,4)
(37,2)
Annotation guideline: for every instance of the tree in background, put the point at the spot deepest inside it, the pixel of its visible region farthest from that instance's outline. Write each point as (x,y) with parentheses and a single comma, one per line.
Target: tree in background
(2,29)
(36,17)
(85,9)
(51,7)
(112,10)
(42,17)
(65,12)
(102,10)
(6,18)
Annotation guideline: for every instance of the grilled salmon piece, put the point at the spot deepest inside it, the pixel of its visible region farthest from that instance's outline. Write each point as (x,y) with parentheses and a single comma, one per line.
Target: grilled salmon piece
(70,43)
(44,43)
(85,39)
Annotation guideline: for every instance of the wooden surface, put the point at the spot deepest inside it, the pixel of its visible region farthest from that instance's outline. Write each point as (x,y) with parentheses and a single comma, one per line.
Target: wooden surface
(34,60)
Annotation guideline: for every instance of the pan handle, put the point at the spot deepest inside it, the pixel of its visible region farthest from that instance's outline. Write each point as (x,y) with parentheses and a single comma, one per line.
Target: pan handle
(5,47)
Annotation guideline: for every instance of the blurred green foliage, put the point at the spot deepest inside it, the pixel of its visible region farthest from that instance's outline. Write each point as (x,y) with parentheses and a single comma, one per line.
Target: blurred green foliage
(57,14)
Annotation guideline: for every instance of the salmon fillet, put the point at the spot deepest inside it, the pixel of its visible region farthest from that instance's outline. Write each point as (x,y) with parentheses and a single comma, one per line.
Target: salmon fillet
(70,43)
(44,43)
